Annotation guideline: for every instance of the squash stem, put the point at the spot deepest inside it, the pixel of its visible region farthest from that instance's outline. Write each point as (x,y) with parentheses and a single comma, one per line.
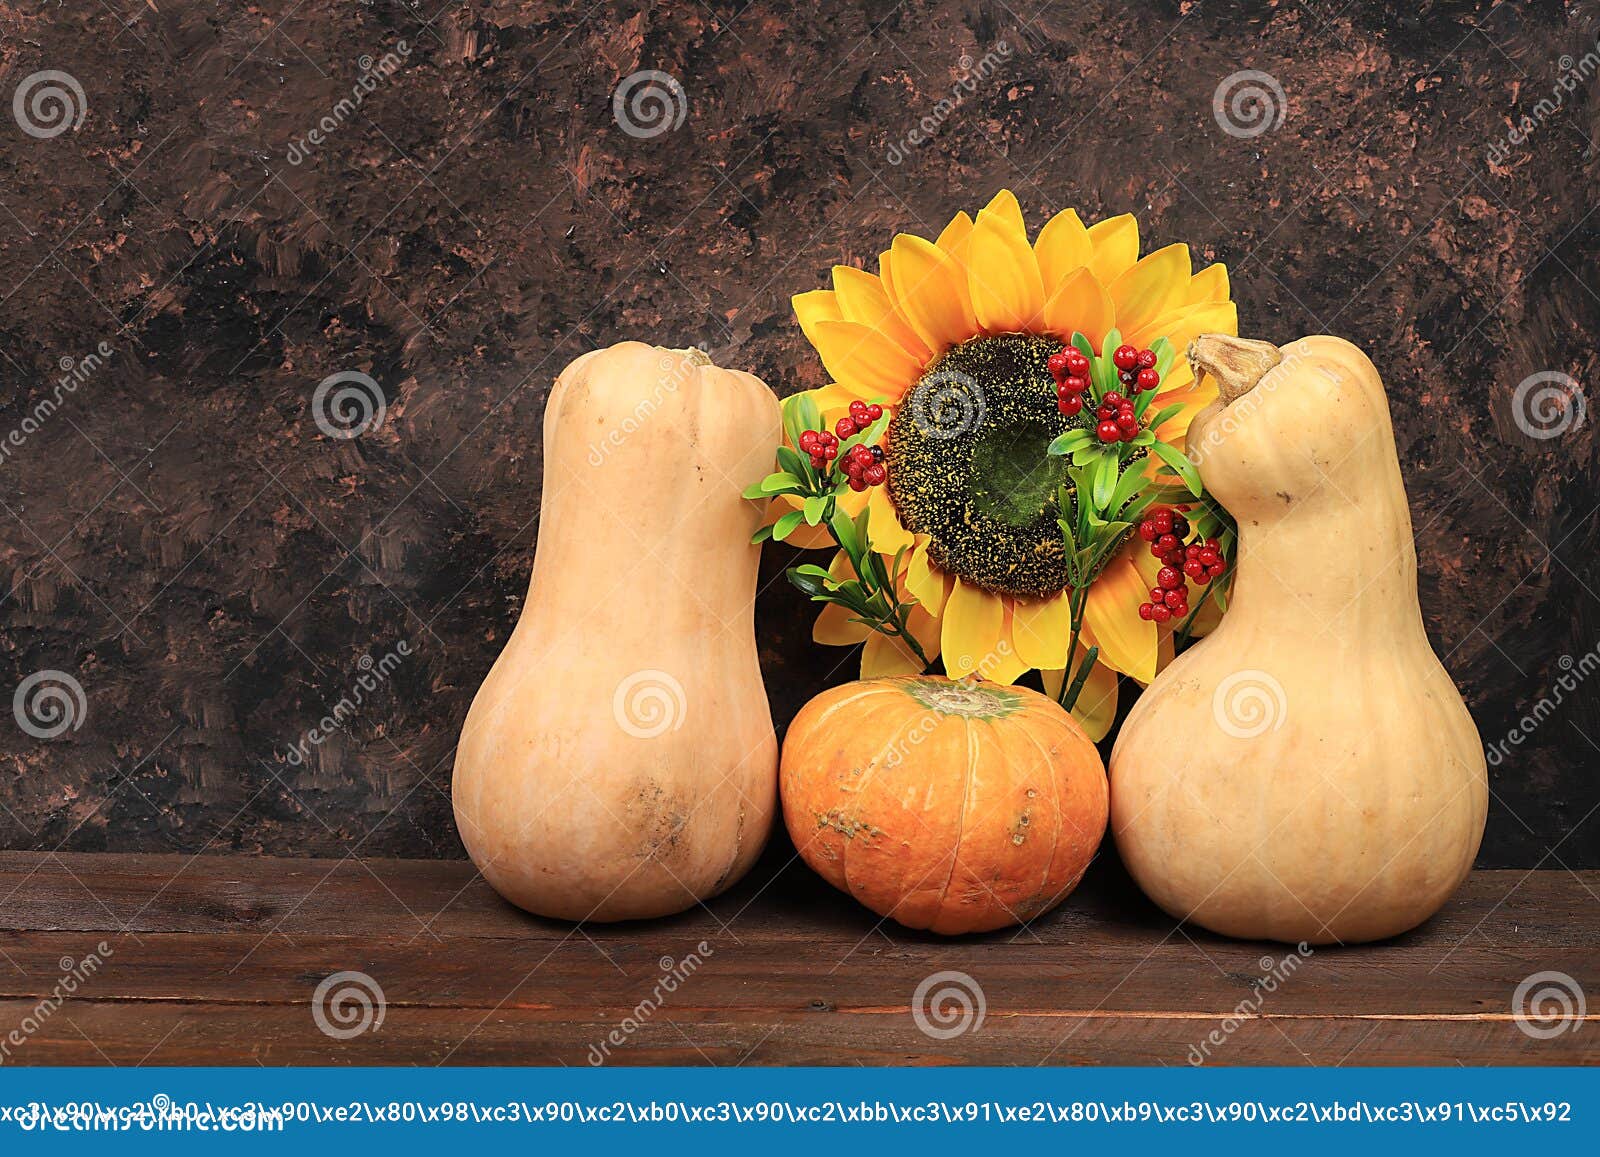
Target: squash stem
(1237,363)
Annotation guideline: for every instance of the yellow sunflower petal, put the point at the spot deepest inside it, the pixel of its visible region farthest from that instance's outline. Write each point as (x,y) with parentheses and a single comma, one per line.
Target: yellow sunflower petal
(953,240)
(862,298)
(1040,629)
(865,360)
(926,583)
(1004,665)
(883,657)
(971,631)
(1210,284)
(1153,286)
(1079,303)
(1002,272)
(1062,247)
(1096,708)
(832,400)
(833,628)
(810,308)
(1182,326)
(883,524)
(926,628)
(930,289)
(1116,247)
(1111,611)
(1175,428)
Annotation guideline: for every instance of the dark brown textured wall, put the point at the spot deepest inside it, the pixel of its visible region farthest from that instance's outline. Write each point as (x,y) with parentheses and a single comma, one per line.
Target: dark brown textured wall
(213,570)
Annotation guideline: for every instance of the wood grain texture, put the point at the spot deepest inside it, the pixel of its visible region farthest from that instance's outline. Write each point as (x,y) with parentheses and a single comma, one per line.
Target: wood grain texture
(178,535)
(218,960)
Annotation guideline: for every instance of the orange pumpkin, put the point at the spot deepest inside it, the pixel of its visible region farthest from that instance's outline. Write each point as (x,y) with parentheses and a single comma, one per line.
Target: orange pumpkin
(951,806)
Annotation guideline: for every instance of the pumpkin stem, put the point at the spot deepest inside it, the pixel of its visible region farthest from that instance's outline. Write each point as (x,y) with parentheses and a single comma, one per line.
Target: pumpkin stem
(1237,363)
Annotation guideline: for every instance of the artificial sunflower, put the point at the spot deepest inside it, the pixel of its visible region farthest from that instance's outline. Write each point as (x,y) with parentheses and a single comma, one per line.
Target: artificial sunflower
(953,338)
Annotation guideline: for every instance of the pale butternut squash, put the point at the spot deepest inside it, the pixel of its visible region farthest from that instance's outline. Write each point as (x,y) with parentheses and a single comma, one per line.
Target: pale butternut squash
(1307,772)
(619,761)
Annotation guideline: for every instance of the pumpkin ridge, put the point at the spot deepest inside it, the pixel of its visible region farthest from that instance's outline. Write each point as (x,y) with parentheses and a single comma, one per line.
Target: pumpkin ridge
(1055,802)
(866,778)
(961,821)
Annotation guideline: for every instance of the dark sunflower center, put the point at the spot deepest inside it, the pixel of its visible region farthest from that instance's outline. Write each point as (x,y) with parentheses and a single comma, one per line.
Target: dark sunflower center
(966,452)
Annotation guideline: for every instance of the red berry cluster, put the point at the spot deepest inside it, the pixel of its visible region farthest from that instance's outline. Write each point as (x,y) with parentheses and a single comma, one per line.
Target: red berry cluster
(1070,368)
(1136,368)
(864,464)
(1200,560)
(1117,420)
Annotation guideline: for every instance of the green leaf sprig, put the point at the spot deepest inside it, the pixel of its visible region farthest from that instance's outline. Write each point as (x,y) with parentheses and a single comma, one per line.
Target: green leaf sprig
(872,597)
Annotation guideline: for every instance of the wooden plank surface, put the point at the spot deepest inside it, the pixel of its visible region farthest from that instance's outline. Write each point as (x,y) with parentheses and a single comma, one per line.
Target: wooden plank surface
(173,959)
